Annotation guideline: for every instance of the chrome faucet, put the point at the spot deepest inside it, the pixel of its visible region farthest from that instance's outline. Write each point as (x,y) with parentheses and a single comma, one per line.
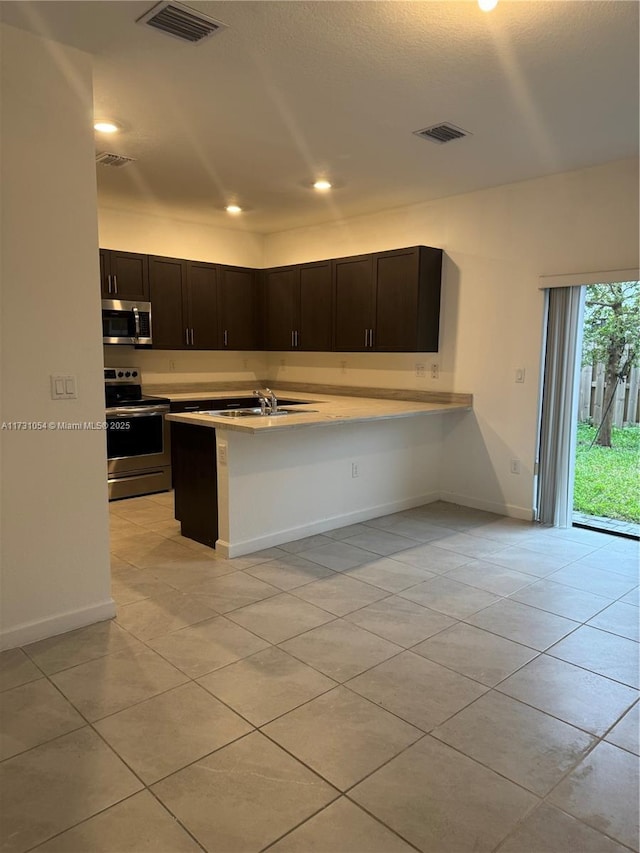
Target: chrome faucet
(268,401)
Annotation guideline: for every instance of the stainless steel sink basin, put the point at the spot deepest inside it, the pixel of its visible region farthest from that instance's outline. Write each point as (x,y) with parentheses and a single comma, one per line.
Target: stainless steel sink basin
(257,413)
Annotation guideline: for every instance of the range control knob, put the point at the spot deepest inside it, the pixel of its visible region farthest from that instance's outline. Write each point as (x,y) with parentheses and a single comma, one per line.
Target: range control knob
(120,374)
(127,373)
(134,373)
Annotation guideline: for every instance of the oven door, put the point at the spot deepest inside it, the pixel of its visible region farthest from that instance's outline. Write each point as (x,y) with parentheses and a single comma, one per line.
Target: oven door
(137,438)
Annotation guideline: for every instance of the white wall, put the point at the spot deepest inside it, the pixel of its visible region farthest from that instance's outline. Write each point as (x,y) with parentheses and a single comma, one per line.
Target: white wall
(54,543)
(497,243)
(283,485)
(159,235)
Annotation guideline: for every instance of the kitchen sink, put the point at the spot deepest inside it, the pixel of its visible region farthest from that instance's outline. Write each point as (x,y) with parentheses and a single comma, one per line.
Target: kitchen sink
(257,413)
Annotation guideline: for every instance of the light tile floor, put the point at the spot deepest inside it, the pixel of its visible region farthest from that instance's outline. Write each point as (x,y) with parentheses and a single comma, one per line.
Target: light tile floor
(441,679)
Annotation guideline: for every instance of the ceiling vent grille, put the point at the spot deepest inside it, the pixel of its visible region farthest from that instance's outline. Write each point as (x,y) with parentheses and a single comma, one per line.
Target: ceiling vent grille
(441,133)
(181,22)
(105,158)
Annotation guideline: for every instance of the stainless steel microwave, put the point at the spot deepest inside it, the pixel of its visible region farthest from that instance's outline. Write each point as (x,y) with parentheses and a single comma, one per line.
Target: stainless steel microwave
(126,322)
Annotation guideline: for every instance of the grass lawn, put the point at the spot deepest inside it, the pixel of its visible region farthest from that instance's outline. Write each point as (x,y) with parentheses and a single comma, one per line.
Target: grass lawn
(607,481)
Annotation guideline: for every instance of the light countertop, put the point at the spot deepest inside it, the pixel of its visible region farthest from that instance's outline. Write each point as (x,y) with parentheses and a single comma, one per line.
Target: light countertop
(328,410)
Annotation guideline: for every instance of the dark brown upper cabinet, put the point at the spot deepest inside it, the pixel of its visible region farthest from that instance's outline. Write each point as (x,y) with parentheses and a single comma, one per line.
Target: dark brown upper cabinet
(238,304)
(355,302)
(382,302)
(124,275)
(388,301)
(407,286)
(298,307)
(168,281)
(183,304)
(202,305)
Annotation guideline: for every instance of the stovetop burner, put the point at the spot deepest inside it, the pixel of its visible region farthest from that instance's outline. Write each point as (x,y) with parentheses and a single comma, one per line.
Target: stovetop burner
(122,387)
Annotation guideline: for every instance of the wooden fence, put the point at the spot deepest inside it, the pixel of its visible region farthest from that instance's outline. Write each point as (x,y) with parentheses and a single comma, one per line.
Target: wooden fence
(626,406)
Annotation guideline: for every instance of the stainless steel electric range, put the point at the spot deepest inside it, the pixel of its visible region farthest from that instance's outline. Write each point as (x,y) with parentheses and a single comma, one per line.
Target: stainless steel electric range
(138,438)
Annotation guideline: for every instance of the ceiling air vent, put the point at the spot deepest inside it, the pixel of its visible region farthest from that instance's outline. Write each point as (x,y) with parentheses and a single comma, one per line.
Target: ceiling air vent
(181,22)
(107,159)
(442,133)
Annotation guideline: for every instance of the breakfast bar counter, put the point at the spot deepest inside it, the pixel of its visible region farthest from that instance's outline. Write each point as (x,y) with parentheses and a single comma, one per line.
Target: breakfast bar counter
(243,484)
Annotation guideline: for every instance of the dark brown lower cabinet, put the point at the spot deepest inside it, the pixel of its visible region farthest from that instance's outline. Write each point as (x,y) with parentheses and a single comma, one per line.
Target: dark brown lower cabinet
(193,458)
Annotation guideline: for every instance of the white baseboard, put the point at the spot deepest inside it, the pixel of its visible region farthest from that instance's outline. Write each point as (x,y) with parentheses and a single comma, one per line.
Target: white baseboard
(29,632)
(522,512)
(269,540)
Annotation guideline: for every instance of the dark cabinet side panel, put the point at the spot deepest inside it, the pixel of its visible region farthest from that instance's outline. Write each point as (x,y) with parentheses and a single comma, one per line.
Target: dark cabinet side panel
(202,304)
(238,302)
(129,275)
(105,289)
(282,289)
(167,276)
(193,455)
(316,308)
(430,277)
(353,287)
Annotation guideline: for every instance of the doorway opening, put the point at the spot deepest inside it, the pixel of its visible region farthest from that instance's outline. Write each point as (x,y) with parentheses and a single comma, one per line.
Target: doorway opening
(606,494)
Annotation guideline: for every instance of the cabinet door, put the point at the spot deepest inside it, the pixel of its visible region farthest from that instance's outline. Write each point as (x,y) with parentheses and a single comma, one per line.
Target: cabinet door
(316,308)
(396,277)
(238,303)
(407,299)
(282,288)
(129,276)
(353,284)
(202,304)
(168,322)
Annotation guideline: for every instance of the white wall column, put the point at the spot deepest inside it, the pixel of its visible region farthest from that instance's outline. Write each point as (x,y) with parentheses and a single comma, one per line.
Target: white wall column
(54,523)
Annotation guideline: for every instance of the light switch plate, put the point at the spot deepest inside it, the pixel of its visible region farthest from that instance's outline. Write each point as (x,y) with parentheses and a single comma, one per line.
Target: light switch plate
(63,387)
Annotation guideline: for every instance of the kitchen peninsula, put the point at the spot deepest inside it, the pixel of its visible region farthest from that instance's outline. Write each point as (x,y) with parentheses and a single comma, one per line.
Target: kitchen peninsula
(247,483)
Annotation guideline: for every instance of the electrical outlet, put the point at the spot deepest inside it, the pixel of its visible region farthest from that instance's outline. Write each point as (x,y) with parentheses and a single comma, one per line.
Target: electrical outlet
(421,370)
(222,453)
(343,367)
(355,470)
(515,466)
(520,371)
(172,364)
(435,370)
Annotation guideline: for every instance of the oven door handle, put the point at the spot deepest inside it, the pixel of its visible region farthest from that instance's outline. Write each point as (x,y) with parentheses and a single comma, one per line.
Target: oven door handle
(136,411)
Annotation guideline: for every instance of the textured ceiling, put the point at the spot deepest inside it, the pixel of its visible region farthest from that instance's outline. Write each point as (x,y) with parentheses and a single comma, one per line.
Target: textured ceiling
(293,90)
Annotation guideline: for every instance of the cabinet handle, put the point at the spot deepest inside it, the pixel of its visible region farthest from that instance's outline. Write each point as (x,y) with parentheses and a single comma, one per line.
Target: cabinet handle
(192,344)
(297,338)
(109,283)
(293,339)
(226,337)
(366,337)
(186,336)
(371,337)
(115,284)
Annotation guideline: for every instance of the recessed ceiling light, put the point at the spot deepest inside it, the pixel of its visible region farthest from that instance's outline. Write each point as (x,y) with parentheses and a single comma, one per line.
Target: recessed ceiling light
(233,208)
(487,5)
(322,184)
(106,126)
